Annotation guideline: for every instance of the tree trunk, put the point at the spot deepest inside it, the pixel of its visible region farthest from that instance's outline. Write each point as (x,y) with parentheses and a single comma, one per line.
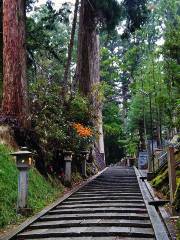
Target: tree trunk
(70,48)
(15,99)
(1,47)
(88,66)
(142,145)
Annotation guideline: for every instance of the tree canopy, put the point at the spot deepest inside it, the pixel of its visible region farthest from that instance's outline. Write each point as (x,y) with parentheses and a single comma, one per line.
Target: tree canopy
(138,73)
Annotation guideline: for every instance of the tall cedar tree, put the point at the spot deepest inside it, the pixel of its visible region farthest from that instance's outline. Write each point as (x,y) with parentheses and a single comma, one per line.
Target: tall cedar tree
(1,40)
(88,69)
(15,99)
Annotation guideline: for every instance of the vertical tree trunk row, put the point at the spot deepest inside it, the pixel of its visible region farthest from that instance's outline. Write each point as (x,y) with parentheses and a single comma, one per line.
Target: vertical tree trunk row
(1,46)
(70,47)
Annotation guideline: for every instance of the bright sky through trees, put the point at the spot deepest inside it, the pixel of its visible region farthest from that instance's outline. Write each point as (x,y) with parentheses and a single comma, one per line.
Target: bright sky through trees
(57,3)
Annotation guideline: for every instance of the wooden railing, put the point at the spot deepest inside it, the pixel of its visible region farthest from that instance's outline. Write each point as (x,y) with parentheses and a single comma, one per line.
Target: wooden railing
(161,160)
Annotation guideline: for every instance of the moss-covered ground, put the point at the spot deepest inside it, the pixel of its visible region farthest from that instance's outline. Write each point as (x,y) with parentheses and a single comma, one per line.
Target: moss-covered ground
(41,191)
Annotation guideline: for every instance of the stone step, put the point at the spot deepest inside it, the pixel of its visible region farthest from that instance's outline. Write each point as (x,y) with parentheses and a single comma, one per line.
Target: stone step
(109,186)
(69,202)
(106,194)
(128,197)
(100,210)
(128,184)
(88,231)
(79,216)
(120,182)
(114,176)
(92,223)
(109,190)
(100,205)
(92,238)
(115,182)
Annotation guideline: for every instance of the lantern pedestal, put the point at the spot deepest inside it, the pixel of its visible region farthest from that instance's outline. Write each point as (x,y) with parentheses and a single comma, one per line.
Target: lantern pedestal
(22,189)
(84,156)
(68,161)
(23,193)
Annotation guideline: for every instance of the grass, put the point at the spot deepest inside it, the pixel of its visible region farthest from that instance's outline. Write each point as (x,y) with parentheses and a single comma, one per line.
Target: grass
(41,192)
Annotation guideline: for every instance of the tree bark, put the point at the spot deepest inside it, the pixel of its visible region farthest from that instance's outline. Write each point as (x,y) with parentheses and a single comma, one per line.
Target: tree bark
(88,65)
(142,145)
(15,99)
(1,42)
(70,47)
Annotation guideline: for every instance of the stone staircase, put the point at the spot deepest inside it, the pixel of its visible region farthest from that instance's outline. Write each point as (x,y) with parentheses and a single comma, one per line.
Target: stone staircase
(109,207)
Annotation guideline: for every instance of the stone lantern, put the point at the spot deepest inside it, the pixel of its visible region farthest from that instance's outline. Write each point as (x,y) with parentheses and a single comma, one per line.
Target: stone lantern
(68,161)
(23,163)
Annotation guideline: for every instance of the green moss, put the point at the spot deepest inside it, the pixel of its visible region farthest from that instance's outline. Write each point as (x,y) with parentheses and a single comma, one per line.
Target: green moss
(41,192)
(178,229)
(160,180)
(161,183)
(177,195)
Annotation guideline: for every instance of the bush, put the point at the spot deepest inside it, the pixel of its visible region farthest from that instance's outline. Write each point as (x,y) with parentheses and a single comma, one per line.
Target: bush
(53,118)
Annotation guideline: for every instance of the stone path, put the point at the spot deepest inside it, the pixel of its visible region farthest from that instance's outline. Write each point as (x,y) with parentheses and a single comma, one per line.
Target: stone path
(109,207)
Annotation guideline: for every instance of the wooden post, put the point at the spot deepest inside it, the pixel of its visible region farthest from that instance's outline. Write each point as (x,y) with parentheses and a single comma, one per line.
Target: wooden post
(172,173)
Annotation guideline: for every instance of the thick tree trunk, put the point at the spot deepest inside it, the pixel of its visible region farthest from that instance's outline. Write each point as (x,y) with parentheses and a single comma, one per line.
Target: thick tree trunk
(88,67)
(82,73)
(15,100)
(1,44)
(70,47)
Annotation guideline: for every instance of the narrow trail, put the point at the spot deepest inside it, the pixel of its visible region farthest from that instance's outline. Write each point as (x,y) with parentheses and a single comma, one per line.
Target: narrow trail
(112,206)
